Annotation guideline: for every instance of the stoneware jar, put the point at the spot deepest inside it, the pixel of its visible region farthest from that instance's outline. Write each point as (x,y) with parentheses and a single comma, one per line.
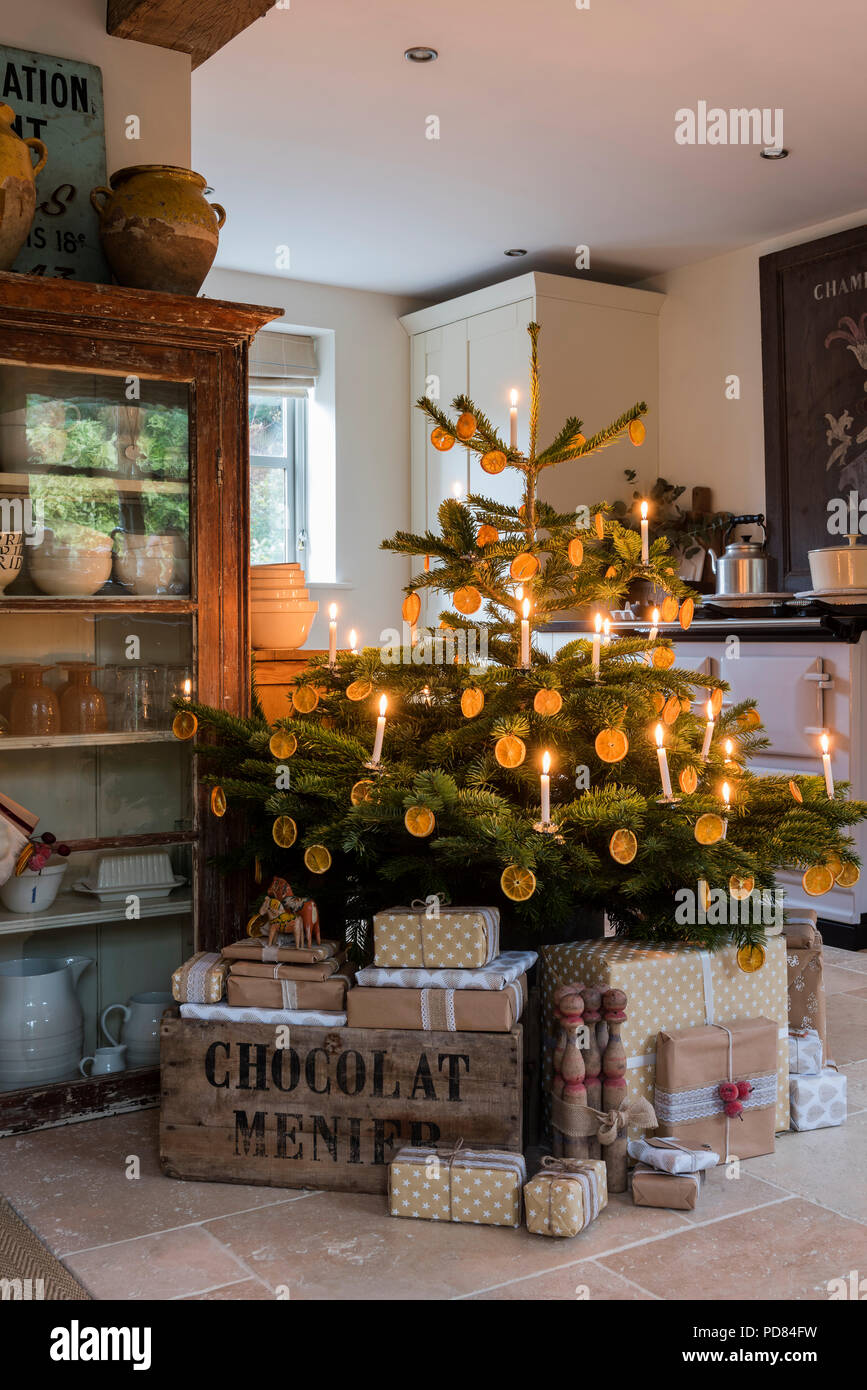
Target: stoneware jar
(158,230)
(17,186)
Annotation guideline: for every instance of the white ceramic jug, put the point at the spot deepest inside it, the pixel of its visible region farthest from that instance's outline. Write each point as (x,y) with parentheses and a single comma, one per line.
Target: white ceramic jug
(41,1022)
(141,1026)
(105,1061)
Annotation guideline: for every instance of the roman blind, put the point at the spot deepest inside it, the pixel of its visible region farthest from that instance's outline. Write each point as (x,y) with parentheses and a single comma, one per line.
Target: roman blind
(283,363)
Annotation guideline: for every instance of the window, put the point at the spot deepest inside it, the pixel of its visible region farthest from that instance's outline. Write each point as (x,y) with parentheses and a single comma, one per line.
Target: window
(278,478)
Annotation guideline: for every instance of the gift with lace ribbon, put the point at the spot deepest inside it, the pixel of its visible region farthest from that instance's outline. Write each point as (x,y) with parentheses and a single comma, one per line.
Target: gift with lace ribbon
(201,979)
(430,935)
(717,1086)
(480,1187)
(565,1196)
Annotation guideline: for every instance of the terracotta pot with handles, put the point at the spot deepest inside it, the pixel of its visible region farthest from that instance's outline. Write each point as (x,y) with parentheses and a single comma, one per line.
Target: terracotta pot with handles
(158,230)
(17,186)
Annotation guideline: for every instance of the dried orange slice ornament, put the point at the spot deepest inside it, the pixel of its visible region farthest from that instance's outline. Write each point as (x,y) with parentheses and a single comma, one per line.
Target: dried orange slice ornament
(24,859)
(494,461)
(623,846)
(611,572)
(467,599)
(510,751)
(658,701)
(686,704)
(472,702)
(361,791)
(576,551)
(420,821)
(687,780)
(668,609)
(547,702)
(411,608)
(359,690)
(685,616)
(671,710)
(442,440)
(317,858)
(518,884)
(219,804)
(796,792)
(466,426)
(716,702)
(750,719)
(817,880)
(637,432)
(284,831)
(709,829)
(834,863)
(487,535)
(523,567)
(184,724)
(751,958)
(282,745)
(703,894)
(848,875)
(599,524)
(305,699)
(611,745)
(741,885)
(663,658)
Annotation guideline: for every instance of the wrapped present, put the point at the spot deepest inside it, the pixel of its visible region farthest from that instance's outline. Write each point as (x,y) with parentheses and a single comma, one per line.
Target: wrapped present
(565,1196)
(806,990)
(481,1187)
(453,938)
(226,1013)
(717,1086)
(201,979)
(819,1102)
(800,927)
(805,1052)
(501,971)
(439,1010)
(283,949)
(671,1155)
(320,970)
(670,987)
(653,1188)
(250,991)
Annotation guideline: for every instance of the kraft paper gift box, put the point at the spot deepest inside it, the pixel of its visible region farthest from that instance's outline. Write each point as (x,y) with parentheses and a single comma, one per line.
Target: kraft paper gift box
(457,938)
(805,1052)
(819,1102)
(320,970)
(565,1196)
(669,987)
(284,949)
(693,1064)
(201,979)
(480,1187)
(438,1010)
(800,927)
(248,991)
(677,1191)
(806,990)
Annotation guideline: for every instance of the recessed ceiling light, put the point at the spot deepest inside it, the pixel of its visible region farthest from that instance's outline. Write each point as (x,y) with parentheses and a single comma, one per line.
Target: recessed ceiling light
(773,153)
(421,54)
(515,251)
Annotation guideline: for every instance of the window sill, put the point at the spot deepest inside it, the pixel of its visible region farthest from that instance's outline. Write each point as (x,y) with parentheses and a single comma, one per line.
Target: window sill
(332,584)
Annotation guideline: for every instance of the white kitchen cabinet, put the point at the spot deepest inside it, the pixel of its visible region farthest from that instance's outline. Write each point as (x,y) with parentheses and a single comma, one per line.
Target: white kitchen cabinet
(598,354)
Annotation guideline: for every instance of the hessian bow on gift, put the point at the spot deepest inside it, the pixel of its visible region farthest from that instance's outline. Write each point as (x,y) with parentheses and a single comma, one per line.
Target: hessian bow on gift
(580,1121)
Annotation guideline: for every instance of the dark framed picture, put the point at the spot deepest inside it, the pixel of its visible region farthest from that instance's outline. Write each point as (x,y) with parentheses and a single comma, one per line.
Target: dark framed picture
(814,359)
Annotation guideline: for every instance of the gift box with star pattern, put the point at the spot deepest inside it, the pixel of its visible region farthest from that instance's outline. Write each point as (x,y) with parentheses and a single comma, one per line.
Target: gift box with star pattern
(453,938)
(671,986)
(479,1187)
(566,1196)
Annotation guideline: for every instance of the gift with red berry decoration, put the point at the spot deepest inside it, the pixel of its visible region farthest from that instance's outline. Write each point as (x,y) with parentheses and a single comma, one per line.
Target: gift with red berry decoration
(717,1086)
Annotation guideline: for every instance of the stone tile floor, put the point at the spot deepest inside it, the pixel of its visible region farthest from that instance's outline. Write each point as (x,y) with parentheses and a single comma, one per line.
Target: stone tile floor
(794,1220)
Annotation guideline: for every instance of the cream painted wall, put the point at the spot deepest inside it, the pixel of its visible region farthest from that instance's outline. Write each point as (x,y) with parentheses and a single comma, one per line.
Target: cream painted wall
(138,80)
(367,378)
(710,328)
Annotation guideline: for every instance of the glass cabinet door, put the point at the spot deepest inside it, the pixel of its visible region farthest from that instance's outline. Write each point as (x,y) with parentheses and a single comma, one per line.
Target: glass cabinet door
(98,640)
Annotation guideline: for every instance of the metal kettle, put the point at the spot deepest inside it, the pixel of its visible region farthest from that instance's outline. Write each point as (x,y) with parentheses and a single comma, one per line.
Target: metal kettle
(743,566)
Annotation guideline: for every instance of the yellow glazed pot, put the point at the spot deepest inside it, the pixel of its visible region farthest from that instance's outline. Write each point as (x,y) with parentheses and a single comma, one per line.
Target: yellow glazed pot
(158,230)
(17,186)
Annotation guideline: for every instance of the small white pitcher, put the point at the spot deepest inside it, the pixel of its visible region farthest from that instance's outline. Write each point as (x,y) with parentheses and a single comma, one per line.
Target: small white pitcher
(105,1060)
(141,1026)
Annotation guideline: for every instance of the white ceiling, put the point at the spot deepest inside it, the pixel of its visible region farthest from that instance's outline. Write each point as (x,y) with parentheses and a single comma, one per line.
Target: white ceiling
(557,128)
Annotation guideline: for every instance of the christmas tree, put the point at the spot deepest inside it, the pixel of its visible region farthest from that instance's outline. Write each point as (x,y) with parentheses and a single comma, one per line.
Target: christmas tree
(596,779)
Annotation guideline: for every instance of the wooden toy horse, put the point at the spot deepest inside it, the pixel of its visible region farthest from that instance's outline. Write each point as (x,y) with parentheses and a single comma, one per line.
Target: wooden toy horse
(282,912)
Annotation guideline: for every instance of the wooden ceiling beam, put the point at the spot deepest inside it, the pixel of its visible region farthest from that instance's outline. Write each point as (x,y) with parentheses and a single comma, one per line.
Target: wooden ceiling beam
(197,27)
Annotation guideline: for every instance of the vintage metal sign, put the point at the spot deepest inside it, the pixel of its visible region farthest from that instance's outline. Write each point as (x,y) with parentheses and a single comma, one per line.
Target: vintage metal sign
(60,101)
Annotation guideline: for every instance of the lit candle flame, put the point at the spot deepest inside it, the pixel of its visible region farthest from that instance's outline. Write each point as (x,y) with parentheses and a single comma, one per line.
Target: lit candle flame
(709,708)
(353,638)
(526,608)
(598,622)
(660,735)
(332,612)
(644,511)
(655,617)
(188,688)
(606,627)
(383,705)
(825,743)
(546,763)
(513,397)
(726,794)
(729,747)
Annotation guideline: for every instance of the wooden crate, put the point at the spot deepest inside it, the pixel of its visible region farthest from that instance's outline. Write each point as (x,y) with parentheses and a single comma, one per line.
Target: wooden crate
(329,1107)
